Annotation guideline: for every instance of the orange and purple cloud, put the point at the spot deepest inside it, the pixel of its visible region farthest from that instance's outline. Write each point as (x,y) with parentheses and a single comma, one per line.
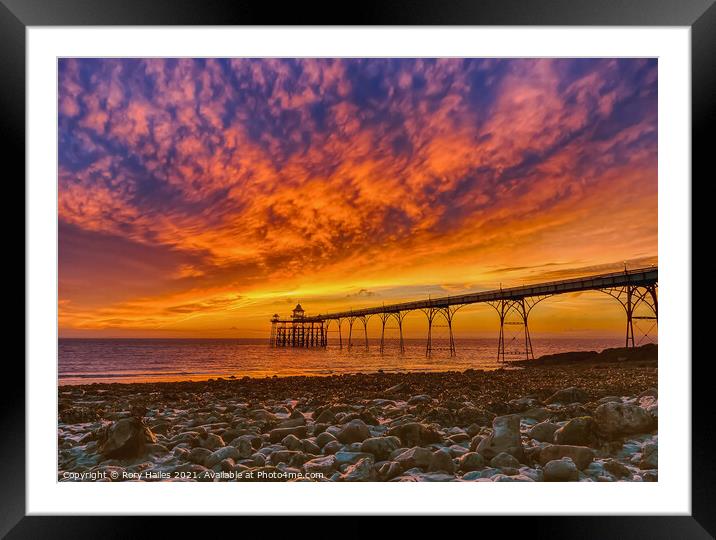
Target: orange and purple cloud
(199,196)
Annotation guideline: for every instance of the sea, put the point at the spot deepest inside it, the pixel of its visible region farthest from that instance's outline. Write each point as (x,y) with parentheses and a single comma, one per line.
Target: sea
(84,361)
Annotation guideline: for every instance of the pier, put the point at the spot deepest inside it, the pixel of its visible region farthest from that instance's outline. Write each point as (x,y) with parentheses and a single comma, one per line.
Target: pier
(631,288)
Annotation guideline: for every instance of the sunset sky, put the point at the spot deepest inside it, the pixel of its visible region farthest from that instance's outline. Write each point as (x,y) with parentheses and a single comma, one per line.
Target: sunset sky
(199,197)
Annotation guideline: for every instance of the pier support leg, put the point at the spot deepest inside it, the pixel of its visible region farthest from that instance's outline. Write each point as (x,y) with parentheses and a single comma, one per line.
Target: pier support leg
(449,313)
(521,306)
(630,297)
(350,333)
(364,320)
(399,316)
(383,320)
(340,336)
(430,313)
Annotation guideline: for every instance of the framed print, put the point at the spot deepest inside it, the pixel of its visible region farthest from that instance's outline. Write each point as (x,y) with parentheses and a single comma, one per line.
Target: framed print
(404,264)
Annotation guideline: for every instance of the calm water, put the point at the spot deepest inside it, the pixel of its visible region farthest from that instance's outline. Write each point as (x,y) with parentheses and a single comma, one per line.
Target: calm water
(84,361)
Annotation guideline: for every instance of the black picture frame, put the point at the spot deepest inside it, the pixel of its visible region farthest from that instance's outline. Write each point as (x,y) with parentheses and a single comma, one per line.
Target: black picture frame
(16,15)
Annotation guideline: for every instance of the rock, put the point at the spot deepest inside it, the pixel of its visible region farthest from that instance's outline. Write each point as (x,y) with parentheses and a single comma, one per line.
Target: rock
(293,458)
(582,456)
(617,469)
(578,431)
(613,420)
(650,476)
(441,461)
(543,432)
(389,470)
(505,437)
(415,434)
(535,474)
(126,439)
(421,398)
(362,471)
(262,415)
(380,447)
(511,478)
(415,457)
(560,470)
(332,447)
(471,461)
(278,434)
(649,456)
(324,438)
(293,422)
(354,431)
(243,446)
(212,441)
(503,459)
(227,452)
(568,395)
(326,417)
(292,442)
(475,442)
(343,457)
(199,455)
(322,465)
(524,403)
(310,447)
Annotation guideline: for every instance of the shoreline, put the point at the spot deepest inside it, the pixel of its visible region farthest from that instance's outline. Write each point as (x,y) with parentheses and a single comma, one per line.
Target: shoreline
(645,354)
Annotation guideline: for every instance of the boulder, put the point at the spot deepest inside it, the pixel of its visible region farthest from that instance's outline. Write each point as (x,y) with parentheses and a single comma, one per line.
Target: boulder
(543,432)
(617,469)
(212,441)
(649,456)
(322,465)
(362,471)
(354,431)
(560,470)
(292,442)
(471,461)
(380,447)
(243,445)
(326,417)
(441,460)
(415,457)
(324,438)
(504,460)
(613,420)
(332,447)
(415,434)
(199,455)
(310,447)
(505,437)
(577,431)
(582,456)
(217,456)
(278,434)
(126,439)
(568,395)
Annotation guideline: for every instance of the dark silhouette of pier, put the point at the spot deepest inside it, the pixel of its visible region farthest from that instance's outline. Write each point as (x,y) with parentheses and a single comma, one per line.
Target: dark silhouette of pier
(631,288)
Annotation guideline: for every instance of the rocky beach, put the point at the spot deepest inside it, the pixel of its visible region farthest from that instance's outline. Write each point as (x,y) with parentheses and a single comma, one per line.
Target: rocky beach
(569,417)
